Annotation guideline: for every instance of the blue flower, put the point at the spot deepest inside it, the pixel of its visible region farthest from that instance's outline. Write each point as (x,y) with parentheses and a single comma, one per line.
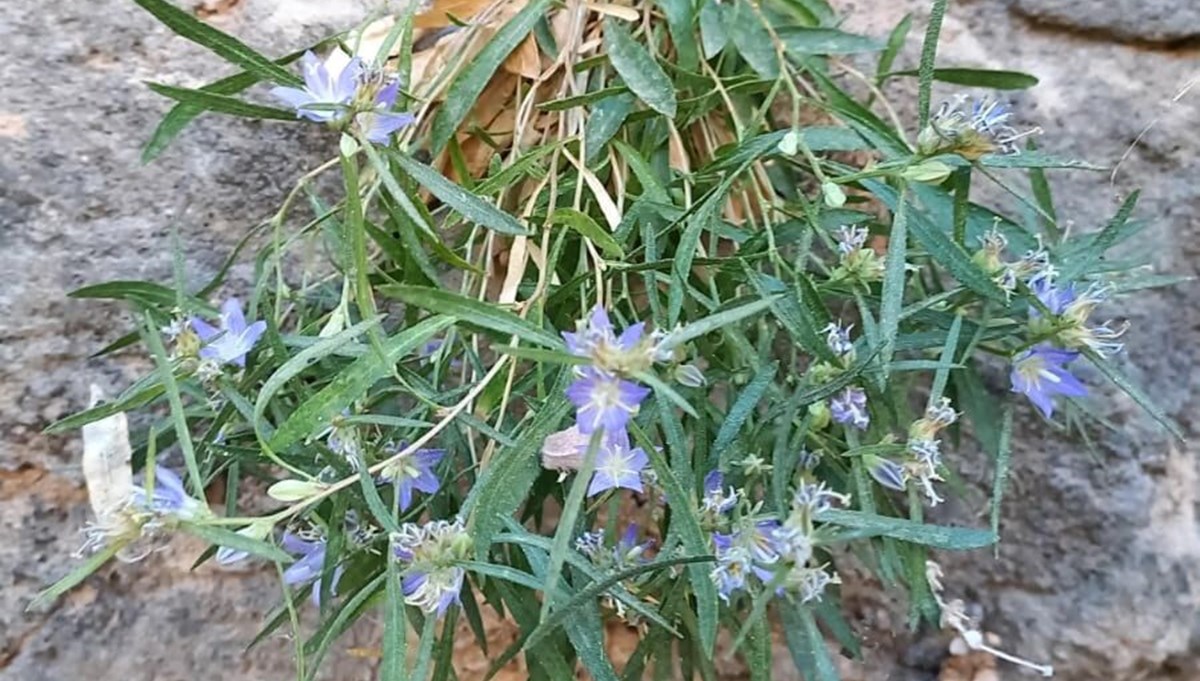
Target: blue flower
(717,499)
(413,471)
(732,568)
(886,472)
(432,579)
(603,400)
(229,343)
(618,465)
(379,122)
(1040,373)
(850,407)
(169,497)
(326,96)
(310,563)
(838,339)
(1054,298)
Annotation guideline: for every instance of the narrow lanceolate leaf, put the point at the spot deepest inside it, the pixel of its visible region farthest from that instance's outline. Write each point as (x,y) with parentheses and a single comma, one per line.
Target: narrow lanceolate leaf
(182,114)
(300,362)
(719,320)
(937,536)
(1001,475)
(587,227)
(804,641)
(218,536)
(222,44)
(933,32)
(222,103)
(987,78)
(894,276)
(686,524)
(393,667)
(75,577)
(1137,394)
(1081,263)
(470,82)
(744,405)
(638,69)
(505,481)
(472,311)
(459,198)
(803,41)
(316,412)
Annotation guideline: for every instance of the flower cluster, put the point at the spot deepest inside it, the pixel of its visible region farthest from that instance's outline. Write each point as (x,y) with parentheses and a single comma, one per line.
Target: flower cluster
(627,552)
(431,554)
(347,94)
(971,129)
(924,447)
(309,547)
(143,516)
(856,261)
(756,551)
(849,405)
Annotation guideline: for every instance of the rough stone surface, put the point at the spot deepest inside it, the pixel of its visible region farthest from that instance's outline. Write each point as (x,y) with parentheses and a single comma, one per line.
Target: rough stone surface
(1160,21)
(1098,568)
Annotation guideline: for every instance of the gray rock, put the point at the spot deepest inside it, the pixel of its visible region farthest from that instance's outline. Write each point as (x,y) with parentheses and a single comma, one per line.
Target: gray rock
(1158,21)
(1097,569)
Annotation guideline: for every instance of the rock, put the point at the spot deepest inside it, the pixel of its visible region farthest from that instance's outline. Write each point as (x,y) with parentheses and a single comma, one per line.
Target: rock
(1156,21)
(1097,570)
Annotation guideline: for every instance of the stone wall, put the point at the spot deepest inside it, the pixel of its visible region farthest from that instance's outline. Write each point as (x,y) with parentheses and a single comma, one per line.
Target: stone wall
(1098,567)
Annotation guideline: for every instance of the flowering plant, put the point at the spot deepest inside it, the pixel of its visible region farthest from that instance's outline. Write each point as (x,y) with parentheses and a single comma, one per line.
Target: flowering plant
(593,267)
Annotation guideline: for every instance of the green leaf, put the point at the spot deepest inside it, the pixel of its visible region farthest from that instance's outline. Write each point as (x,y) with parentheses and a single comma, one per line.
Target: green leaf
(140,398)
(222,44)
(937,536)
(752,40)
(638,69)
(471,311)
(605,120)
(895,43)
(719,320)
(564,534)
(1081,263)
(317,411)
(393,666)
(802,41)
(744,405)
(470,82)
(985,78)
(929,47)
(713,33)
(583,223)
(218,536)
(802,321)
(686,524)
(681,19)
(222,103)
(75,577)
(304,359)
(145,292)
(804,641)
(469,205)
(505,481)
(1135,393)
(894,276)
(1001,474)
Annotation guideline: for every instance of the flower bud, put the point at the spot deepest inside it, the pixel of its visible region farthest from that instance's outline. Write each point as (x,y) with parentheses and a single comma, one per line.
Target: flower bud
(690,375)
(294,490)
(928,172)
(834,196)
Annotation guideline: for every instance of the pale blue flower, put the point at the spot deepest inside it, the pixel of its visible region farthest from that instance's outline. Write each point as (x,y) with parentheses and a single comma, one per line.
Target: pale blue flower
(432,579)
(326,95)
(309,565)
(412,472)
(886,472)
(229,343)
(379,122)
(1040,373)
(169,497)
(717,498)
(603,400)
(618,465)
(849,407)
